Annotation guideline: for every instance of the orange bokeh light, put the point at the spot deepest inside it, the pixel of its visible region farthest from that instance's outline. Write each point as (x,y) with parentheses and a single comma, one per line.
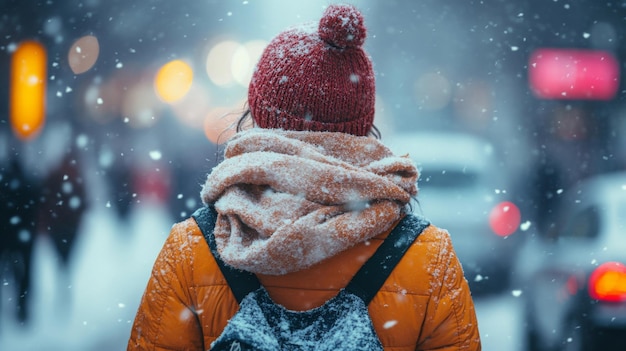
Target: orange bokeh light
(220,124)
(608,282)
(28,89)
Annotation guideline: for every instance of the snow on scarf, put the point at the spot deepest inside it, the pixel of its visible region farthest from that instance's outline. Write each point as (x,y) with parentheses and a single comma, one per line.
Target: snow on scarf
(289,199)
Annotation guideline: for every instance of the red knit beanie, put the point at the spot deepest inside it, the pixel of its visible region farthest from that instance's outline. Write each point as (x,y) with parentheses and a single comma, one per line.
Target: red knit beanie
(317,80)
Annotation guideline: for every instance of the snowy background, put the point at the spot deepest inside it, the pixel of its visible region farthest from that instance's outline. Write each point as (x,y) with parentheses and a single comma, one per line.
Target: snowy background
(447,65)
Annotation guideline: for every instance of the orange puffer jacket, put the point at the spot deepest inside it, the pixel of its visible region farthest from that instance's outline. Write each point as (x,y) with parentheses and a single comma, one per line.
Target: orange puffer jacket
(425,304)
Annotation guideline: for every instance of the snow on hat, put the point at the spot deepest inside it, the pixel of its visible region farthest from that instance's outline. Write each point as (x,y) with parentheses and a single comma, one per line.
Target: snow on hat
(317,80)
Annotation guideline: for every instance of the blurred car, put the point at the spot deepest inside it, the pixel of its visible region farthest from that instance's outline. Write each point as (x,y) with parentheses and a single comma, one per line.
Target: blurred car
(573,278)
(463,189)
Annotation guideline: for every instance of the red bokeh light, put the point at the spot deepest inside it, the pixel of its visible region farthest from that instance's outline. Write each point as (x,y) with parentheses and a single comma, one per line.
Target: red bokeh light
(573,74)
(505,218)
(608,282)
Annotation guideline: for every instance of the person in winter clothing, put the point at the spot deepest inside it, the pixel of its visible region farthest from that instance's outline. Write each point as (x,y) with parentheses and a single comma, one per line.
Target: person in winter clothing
(303,199)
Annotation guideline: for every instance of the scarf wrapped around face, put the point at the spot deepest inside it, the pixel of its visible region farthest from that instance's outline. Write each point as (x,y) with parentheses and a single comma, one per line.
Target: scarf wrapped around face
(289,199)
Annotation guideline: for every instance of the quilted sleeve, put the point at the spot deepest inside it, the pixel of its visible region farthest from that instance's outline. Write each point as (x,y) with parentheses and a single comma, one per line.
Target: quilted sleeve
(451,322)
(166,319)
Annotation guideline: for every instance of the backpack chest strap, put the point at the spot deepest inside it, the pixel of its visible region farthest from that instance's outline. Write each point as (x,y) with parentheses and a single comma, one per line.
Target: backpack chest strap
(373,274)
(240,282)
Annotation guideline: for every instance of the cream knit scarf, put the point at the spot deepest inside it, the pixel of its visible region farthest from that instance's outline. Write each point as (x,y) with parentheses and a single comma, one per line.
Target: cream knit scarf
(287,200)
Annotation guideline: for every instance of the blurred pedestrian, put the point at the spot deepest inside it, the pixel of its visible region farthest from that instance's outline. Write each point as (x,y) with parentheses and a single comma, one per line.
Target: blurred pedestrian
(64,203)
(118,164)
(302,200)
(18,212)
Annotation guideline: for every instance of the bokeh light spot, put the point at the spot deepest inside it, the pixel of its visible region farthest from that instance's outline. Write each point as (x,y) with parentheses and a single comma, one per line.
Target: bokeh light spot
(573,74)
(28,89)
(505,218)
(220,124)
(83,54)
(433,91)
(219,61)
(608,282)
(173,81)
(244,59)
(192,109)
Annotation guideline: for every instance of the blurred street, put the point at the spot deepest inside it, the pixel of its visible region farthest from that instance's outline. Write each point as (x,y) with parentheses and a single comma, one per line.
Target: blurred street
(92,308)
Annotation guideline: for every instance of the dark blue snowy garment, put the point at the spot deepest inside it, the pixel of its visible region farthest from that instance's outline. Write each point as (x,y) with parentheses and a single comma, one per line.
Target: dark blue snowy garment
(342,323)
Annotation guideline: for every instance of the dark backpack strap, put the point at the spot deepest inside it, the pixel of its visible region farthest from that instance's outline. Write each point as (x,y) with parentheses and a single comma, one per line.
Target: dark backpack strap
(241,282)
(371,277)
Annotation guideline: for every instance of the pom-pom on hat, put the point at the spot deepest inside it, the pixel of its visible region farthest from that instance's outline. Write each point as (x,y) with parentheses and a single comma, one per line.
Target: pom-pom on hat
(316,79)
